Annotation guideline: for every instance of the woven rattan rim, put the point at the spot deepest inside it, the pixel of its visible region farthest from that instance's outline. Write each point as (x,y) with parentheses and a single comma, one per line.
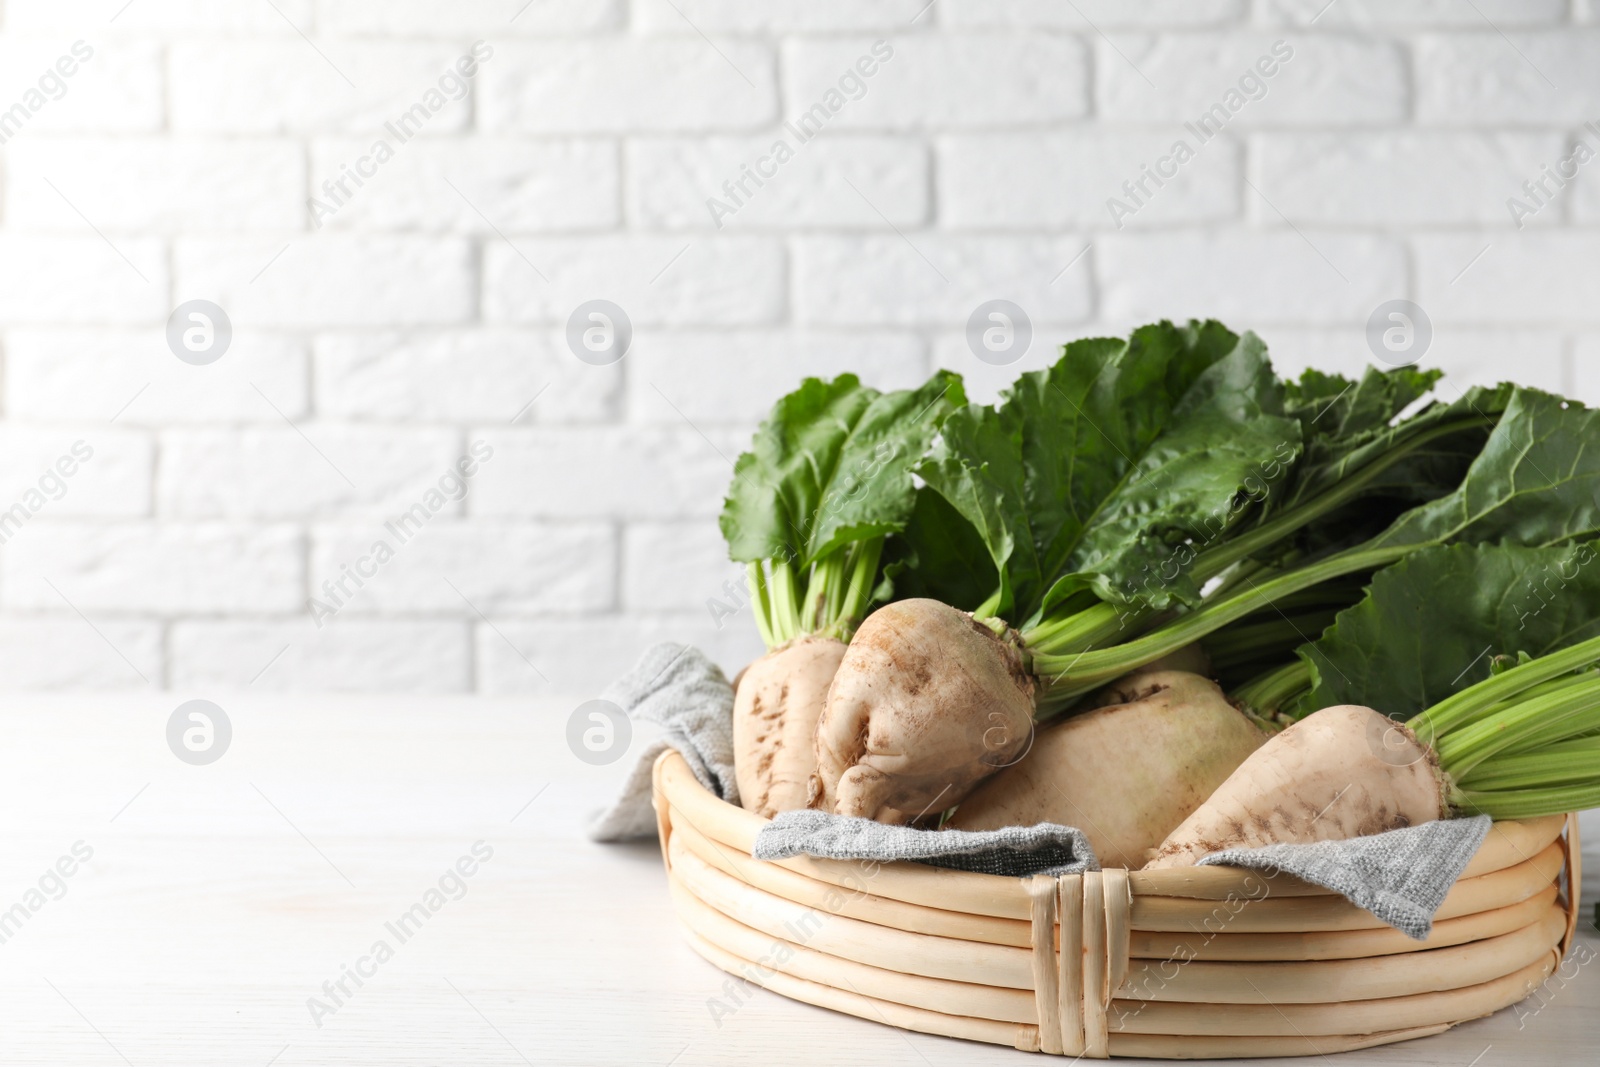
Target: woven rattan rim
(1063,965)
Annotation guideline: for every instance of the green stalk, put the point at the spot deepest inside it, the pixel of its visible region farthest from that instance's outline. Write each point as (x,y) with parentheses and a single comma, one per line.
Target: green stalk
(1467,706)
(1545,733)
(785,607)
(857,594)
(1523,743)
(1107,624)
(1272,690)
(1251,640)
(1071,633)
(1527,803)
(1214,561)
(1101,624)
(1068,677)
(811,601)
(823,590)
(1524,725)
(1066,614)
(1572,761)
(990,608)
(760,604)
(1469,746)
(838,580)
(838,591)
(1246,570)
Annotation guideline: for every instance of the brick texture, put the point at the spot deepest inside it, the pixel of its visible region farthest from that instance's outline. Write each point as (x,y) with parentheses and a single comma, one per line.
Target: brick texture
(400,204)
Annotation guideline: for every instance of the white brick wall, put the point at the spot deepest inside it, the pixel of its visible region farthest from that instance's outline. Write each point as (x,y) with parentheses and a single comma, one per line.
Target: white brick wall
(421,309)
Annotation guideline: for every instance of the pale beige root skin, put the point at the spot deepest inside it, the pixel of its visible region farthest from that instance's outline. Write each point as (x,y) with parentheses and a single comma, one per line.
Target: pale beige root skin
(1339,773)
(1127,773)
(776,706)
(926,704)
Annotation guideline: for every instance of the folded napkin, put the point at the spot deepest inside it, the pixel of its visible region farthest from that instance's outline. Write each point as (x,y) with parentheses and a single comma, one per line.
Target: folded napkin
(1401,876)
(676,687)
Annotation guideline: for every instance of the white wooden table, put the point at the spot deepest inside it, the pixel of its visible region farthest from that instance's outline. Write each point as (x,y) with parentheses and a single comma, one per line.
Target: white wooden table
(220,898)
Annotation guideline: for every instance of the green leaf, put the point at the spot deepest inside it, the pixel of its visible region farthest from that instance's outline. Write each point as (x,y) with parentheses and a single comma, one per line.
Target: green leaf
(1536,482)
(1224,451)
(832,466)
(1433,624)
(939,556)
(1096,468)
(1340,443)
(1333,407)
(1359,480)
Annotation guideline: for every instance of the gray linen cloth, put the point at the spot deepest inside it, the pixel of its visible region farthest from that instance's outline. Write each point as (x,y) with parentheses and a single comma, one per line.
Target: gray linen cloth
(1401,876)
(678,688)
(1017,850)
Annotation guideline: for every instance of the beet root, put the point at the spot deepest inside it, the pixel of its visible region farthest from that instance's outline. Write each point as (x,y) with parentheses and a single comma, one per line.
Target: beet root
(776,706)
(1127,773)
(1339,773)
(926,703)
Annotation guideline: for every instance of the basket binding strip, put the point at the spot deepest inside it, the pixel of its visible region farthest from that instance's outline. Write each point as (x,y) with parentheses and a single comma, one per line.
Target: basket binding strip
(1080,956)
(1084,964)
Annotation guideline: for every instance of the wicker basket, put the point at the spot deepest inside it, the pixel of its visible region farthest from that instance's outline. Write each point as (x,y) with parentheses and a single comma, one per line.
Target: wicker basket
(1181,964)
